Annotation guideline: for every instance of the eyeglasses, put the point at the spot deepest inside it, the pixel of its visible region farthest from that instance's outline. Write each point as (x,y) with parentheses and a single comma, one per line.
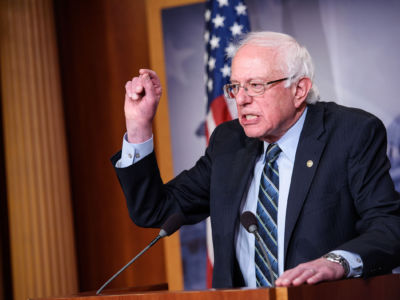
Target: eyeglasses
(252,88)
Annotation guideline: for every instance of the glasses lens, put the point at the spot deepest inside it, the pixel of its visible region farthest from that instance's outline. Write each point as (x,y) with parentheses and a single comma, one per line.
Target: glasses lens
(256,88)
(229,90)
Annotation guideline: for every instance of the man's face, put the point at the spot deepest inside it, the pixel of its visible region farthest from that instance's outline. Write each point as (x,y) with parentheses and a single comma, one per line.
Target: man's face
(270,115)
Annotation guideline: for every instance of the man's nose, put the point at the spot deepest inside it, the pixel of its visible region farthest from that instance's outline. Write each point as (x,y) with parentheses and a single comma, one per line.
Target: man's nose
(242,97)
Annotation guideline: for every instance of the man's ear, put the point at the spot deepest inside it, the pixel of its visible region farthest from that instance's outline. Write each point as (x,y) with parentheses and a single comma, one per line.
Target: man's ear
(303,86)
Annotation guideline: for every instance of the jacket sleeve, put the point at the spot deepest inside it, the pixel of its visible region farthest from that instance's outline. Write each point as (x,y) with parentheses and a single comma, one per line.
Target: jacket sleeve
(150,201)
(375,199)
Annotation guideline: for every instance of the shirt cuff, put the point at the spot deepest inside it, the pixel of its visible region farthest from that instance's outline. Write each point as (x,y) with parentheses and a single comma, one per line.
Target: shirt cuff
(354,260)
(132,153)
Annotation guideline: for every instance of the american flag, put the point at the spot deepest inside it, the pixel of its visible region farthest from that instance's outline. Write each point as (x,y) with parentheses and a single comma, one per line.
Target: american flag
(225,21)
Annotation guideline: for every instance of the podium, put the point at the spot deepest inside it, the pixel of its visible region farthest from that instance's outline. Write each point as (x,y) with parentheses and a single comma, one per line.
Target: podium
(385,287)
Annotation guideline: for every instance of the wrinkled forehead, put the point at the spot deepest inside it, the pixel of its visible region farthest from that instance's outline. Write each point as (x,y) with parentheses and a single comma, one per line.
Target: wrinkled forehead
(253,61)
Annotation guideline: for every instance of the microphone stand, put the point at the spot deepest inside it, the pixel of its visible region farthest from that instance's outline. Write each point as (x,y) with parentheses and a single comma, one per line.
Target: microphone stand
(263,247)
(129,263)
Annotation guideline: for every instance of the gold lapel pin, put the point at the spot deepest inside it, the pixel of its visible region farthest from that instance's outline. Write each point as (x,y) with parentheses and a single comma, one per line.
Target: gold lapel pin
(309,163)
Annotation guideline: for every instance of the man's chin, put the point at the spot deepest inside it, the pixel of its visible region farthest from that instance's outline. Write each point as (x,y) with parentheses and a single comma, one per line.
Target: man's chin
(252,133)
(261,136)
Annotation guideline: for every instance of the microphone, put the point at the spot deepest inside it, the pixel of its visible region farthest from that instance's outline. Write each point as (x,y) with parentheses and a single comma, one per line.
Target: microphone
(249,221)
(173,223)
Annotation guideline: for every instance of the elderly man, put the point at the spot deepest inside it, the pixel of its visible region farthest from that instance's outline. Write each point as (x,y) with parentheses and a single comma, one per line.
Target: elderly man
(315,174)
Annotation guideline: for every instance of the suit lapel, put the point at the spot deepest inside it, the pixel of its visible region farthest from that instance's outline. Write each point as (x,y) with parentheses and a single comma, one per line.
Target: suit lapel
(240,173)
(308,155)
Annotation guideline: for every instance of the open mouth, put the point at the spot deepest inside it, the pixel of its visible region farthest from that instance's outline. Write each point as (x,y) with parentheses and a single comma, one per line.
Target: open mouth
(250,117)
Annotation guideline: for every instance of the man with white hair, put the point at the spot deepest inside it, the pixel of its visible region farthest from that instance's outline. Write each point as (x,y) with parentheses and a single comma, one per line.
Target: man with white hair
(315,174)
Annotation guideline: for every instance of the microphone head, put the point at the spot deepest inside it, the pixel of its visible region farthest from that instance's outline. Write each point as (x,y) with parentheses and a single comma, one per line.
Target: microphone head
(173,223)
(249,221)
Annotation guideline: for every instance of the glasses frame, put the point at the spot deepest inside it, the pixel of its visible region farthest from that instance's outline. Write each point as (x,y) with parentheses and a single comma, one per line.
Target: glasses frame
(246,89)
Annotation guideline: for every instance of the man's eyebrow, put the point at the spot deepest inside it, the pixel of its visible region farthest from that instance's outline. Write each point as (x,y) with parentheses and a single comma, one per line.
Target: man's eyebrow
(250,79)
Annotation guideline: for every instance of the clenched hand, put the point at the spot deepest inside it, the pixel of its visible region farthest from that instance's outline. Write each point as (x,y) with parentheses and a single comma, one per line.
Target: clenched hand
(142,95)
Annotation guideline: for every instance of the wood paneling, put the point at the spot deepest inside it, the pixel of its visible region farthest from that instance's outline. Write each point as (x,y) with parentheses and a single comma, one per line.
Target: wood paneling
(161,124)
(380,287)
(102,45)
(38,195)
(5,267)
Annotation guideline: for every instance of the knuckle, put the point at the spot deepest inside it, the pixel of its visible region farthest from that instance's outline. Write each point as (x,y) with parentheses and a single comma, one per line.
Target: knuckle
(324,269)
(304,266)
(327,271)
(318,276)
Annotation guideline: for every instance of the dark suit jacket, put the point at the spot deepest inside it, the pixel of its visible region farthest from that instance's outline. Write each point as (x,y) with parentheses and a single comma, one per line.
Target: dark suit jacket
(345,200)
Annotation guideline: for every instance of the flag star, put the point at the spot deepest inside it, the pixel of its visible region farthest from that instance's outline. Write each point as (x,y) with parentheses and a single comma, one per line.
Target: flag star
(230,50)
(226,71)
(222,3)
(236,29)
(240,9)
(218,21)
(206,36)
(207,15)
(214,42)
(210,84)
(211,63)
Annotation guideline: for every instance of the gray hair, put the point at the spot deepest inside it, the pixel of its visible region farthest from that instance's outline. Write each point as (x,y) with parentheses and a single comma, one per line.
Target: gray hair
(297,62)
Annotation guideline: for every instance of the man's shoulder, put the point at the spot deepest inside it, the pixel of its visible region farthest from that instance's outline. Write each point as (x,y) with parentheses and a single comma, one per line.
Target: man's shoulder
(340,114)
(229,128)
(231,136)
(341,123)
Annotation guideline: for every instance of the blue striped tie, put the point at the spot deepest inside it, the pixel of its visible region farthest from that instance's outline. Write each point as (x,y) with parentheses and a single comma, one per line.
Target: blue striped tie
(267,211)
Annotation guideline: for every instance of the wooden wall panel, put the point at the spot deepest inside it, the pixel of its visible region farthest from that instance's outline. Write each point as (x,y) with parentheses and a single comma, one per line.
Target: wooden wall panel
(102,44)
(5,266)
(157,62)
(38,196)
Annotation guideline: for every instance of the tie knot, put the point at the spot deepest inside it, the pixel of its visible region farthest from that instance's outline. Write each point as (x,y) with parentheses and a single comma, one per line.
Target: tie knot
(272,153)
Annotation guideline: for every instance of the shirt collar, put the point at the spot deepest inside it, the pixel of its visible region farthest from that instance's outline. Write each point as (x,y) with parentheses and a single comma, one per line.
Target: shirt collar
(289,141)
